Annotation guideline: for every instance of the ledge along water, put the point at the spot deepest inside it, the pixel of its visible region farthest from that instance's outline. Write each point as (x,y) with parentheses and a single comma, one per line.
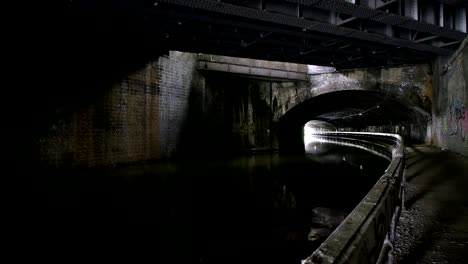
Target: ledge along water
(251,209)
(367,234)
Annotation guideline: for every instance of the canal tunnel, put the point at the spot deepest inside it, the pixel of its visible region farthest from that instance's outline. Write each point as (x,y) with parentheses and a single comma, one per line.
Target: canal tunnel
(352,109)
(161,121)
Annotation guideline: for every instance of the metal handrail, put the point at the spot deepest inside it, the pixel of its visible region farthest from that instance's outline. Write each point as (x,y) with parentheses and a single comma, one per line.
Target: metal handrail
(368,232)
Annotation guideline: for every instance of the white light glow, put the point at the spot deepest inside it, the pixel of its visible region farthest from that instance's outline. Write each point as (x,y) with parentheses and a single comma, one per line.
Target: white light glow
(310,138)
(309,130)
(314,69)
(312,131)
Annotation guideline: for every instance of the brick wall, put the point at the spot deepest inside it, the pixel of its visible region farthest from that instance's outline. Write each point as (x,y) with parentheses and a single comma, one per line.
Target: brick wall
(166,109)
(138,118)
(178,78)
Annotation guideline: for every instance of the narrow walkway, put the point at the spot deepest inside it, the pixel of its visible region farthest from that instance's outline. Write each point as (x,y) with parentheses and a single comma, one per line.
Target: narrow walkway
(433,227)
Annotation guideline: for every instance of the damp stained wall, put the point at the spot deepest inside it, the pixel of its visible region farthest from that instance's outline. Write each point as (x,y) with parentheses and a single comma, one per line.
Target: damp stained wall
(164,110)
(450,108)
(138,118)
(167,109)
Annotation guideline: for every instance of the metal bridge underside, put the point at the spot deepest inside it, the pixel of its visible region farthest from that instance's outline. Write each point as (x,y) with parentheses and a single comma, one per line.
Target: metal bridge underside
(332,32)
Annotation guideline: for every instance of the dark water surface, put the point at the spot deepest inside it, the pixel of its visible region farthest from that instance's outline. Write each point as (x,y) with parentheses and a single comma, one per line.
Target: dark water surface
(254,209)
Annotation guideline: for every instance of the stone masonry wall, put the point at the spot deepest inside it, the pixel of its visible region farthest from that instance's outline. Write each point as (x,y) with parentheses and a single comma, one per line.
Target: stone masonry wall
(411,83)
(251,124)
(245,111)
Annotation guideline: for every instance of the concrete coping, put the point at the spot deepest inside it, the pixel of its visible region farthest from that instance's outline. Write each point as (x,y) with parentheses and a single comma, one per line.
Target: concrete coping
(283,66)
(255,67)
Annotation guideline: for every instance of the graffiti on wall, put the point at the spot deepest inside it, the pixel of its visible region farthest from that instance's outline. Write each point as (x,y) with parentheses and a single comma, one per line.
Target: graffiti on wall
(465,123)
(456,123)
(458,120)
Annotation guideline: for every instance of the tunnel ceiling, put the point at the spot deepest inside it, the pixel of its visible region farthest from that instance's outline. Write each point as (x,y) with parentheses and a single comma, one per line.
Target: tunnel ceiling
(357,109)
(272,30)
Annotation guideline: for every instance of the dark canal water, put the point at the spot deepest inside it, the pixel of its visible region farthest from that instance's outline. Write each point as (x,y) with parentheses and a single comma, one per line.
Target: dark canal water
(254,209)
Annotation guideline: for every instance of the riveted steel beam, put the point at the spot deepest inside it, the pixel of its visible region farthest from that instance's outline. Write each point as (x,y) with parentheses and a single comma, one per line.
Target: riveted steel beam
(306,25)
(409,21)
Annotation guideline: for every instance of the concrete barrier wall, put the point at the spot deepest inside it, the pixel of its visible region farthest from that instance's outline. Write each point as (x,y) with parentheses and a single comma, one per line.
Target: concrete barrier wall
(367,234)
(450,107)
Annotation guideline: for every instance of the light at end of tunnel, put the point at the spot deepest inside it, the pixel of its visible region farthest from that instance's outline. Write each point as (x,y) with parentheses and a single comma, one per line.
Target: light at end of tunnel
(309,138)
(309,130)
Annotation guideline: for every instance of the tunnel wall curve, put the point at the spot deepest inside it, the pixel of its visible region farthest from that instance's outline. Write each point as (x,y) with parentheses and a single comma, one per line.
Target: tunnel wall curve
(368,232)
(329,107)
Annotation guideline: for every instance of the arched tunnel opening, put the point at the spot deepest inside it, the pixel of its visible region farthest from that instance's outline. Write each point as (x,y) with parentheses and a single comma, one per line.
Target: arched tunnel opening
(352,110)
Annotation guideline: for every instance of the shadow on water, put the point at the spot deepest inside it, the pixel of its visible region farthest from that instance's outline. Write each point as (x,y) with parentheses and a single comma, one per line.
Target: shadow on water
(254,209)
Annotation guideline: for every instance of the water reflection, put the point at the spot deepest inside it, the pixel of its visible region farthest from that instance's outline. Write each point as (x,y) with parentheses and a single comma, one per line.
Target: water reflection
(256,209)
(282,197)
(318,148)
